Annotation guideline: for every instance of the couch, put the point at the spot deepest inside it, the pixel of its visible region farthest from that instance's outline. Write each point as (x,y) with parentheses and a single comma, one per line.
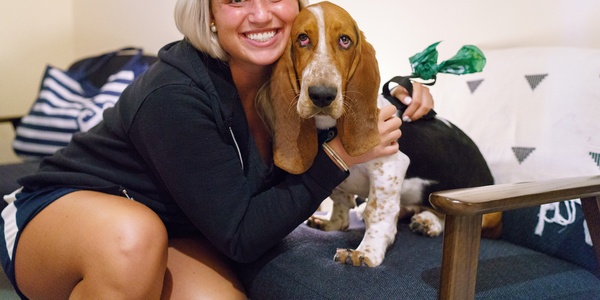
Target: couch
(532,114)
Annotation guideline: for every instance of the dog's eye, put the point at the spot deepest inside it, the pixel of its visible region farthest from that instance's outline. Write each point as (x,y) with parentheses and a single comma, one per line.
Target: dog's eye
(303,40)
(345,41)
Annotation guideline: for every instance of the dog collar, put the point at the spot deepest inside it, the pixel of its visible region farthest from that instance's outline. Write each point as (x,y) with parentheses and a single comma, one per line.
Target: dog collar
(326,135)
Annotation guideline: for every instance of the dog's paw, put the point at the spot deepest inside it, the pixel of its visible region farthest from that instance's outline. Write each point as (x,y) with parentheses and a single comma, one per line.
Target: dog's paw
(320,222)
(352,257)
(315,222)
(426,223)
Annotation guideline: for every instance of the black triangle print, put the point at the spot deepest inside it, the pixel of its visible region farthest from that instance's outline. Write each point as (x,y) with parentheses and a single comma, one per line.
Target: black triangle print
(474,84)
(521,153)
(534,80)
(596,158)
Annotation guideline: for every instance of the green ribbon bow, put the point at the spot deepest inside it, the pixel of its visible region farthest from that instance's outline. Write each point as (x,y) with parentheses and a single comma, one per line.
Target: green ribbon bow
(469,59)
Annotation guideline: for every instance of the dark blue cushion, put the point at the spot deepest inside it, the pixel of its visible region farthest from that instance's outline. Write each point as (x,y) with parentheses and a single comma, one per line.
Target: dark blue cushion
(302,267)
(560,233)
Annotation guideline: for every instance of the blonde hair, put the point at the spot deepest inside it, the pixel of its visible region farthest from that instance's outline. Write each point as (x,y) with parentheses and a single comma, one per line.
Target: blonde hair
(192,18)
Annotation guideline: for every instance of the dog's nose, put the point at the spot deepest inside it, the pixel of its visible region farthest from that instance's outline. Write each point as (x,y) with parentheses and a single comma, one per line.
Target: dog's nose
(322,96)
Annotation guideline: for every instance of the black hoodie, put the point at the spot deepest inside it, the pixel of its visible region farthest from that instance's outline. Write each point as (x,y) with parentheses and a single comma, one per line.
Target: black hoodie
(178,141)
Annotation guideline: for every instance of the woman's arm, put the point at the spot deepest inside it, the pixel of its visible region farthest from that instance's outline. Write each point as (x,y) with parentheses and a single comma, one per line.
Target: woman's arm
(389,133)
(176,133)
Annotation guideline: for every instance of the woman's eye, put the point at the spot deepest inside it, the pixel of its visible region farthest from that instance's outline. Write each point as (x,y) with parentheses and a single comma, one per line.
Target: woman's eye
(303,40)
(345,41)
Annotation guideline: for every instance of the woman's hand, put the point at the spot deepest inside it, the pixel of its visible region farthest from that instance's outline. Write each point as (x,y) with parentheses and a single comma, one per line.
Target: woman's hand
(389,133)
(419,104)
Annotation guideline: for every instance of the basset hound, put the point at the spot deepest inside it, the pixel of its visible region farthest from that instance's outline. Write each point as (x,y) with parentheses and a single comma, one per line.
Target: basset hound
(329,77)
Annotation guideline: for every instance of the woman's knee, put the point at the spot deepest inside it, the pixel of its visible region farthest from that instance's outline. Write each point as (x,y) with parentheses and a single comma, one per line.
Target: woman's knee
(85,235)
(114,226)
(131,255)
(134,240)
(134,259)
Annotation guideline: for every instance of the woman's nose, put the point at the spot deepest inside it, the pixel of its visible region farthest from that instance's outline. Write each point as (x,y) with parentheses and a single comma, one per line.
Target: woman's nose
(260,11)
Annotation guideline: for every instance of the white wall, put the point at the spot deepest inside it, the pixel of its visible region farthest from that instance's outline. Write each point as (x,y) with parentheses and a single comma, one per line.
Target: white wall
(35,33)
(400,28)
(110,24)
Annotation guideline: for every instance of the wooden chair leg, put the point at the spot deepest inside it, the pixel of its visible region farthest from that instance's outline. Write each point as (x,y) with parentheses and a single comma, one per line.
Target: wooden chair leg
(591,210)
(462,236)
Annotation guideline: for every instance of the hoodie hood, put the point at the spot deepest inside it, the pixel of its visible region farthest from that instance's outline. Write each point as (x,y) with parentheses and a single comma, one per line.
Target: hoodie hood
(211,75)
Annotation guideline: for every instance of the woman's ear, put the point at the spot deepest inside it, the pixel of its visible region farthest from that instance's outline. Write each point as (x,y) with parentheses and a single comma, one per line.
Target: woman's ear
(358,127)
(295,143)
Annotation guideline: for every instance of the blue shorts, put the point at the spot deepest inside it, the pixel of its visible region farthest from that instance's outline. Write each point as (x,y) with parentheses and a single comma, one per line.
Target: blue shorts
(22,207)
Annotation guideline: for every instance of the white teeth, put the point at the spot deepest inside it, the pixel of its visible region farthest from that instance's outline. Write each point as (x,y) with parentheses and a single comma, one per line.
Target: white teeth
(261,37)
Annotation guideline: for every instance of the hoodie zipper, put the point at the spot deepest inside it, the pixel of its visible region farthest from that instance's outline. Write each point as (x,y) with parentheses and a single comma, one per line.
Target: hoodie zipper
(124,192)
(237,147)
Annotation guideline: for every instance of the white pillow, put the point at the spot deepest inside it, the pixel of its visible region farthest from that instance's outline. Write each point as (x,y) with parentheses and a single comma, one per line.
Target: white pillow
(533,112)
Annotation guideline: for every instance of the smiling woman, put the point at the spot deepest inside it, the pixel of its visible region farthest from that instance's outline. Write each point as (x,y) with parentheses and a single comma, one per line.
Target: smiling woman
(167,216)
(170,217)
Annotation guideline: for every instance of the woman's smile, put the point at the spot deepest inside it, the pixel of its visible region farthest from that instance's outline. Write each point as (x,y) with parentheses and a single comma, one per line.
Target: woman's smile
(261,36)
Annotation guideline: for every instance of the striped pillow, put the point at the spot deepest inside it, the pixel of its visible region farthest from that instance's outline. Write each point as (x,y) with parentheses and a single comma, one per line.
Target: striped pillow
(68,103)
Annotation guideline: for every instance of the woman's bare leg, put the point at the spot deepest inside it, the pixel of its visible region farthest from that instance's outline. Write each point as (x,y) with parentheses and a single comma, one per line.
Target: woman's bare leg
(197,270)
(89,245)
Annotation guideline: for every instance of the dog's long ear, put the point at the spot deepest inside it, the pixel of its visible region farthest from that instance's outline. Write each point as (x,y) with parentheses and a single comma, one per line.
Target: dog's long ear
(358,128)
(295,142)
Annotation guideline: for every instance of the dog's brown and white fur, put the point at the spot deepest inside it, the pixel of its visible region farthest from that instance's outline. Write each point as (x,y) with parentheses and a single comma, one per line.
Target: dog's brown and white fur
(329,77)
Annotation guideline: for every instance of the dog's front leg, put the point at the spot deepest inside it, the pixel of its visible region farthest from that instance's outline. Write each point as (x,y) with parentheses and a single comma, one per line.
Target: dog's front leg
(386,176)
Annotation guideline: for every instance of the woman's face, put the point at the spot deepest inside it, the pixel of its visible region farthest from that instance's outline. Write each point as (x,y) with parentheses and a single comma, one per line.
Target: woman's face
(254,31)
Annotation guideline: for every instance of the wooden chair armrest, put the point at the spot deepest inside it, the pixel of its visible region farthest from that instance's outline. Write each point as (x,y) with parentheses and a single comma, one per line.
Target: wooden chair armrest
(501,197)
(464,209)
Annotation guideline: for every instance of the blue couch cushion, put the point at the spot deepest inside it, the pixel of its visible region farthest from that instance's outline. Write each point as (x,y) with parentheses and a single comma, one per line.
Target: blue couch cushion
(302,267)
(557,229)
